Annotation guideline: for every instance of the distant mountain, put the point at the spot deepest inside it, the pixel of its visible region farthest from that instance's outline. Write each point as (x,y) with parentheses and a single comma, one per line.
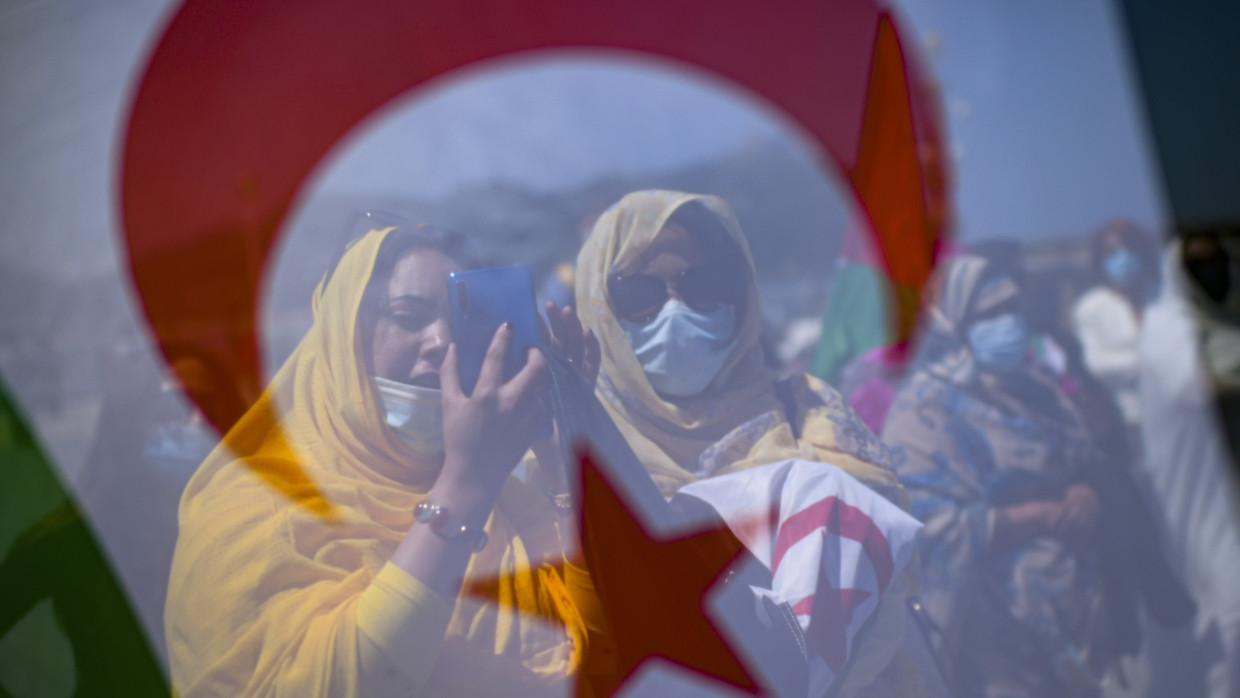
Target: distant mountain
(793,215)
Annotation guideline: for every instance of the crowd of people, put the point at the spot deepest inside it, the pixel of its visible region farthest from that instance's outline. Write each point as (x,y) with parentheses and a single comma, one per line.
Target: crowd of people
(370,527)
(1071,467)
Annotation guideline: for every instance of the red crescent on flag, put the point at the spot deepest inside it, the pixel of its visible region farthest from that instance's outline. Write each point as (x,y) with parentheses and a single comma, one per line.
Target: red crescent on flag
(845,520)
(240,101)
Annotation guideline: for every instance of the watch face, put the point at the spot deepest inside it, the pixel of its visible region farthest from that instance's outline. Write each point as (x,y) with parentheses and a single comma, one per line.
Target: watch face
(424,512)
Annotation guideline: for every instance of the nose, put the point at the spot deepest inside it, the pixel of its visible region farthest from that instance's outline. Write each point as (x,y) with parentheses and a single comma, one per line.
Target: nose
(673,294)
(435,344)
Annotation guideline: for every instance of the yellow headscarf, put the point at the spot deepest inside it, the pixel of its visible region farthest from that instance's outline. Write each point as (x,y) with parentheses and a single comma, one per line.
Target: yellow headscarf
(739,421)
(265,581)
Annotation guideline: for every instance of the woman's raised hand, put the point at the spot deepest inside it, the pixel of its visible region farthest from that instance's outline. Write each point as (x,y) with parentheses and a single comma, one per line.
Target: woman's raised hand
(486,433)
(578,345)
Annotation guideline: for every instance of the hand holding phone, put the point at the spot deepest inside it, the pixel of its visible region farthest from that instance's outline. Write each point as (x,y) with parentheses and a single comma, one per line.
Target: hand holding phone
(482,300)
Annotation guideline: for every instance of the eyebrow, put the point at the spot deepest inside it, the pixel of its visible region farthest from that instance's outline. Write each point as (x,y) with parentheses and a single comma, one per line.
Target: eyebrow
(409,298)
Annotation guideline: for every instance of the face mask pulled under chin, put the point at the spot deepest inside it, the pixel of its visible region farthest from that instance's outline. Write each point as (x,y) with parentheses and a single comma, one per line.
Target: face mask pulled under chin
(415,414)
(680,349)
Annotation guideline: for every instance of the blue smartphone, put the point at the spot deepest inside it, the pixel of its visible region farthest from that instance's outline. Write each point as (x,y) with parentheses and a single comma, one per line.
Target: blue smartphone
(482,300)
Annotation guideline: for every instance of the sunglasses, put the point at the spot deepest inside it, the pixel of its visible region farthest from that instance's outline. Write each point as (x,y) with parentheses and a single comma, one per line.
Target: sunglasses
(641,296)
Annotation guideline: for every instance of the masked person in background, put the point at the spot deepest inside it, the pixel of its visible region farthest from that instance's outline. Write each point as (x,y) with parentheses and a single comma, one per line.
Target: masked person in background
(667,284)
(323,544)
(998,467)
(1107,318)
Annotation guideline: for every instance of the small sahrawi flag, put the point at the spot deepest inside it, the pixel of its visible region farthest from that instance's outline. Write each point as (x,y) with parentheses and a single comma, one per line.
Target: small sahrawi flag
(836,550)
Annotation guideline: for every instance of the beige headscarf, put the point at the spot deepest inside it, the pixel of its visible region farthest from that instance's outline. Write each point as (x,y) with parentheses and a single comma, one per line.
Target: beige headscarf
(739,421)
(961,291)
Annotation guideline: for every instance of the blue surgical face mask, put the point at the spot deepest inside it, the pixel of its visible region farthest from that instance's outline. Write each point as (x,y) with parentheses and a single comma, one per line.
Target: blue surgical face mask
(681,349)
(1122,265)
(999,343)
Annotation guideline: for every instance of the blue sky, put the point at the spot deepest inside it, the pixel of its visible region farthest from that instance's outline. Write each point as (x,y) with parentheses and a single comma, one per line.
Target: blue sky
(1041,97)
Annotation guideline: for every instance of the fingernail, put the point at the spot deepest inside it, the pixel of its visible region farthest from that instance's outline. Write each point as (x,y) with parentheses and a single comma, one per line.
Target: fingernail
(507,325)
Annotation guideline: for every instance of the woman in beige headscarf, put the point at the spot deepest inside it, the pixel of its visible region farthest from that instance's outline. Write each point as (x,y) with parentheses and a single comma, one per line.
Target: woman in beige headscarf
(667,284)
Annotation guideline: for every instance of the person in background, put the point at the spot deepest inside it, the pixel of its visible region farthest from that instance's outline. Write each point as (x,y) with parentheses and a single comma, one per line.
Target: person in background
(1190,383)
(859,313)
(870,381)
(1107,317)
(866,360)
(1136,568)
(999,467)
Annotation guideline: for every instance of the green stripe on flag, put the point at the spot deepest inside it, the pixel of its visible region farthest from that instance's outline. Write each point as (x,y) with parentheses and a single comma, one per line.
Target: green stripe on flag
(65,624)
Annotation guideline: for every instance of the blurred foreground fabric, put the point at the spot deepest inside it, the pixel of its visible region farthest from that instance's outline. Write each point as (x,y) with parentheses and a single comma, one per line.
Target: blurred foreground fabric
(50,554)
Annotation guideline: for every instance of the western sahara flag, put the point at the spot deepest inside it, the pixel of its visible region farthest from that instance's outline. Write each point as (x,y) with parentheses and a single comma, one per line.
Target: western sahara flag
(176,192)
(835,548)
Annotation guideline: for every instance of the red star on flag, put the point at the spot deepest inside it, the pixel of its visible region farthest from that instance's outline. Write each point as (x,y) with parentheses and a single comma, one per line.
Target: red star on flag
(653,588)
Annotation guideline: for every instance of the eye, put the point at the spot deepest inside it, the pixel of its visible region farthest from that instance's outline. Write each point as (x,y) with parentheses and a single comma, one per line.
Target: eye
(637,298)
(408,320)
(707,287)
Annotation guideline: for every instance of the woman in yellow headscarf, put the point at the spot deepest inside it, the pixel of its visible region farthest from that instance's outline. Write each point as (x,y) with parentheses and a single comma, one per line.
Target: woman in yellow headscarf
(667,284)
(323,544)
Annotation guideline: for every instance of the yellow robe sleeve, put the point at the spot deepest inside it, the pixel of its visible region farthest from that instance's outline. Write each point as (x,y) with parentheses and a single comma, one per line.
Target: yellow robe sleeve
(400,630)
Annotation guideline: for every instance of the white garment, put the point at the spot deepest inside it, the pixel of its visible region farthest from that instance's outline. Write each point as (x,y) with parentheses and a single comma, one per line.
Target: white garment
(1109,331)
(1188,462)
